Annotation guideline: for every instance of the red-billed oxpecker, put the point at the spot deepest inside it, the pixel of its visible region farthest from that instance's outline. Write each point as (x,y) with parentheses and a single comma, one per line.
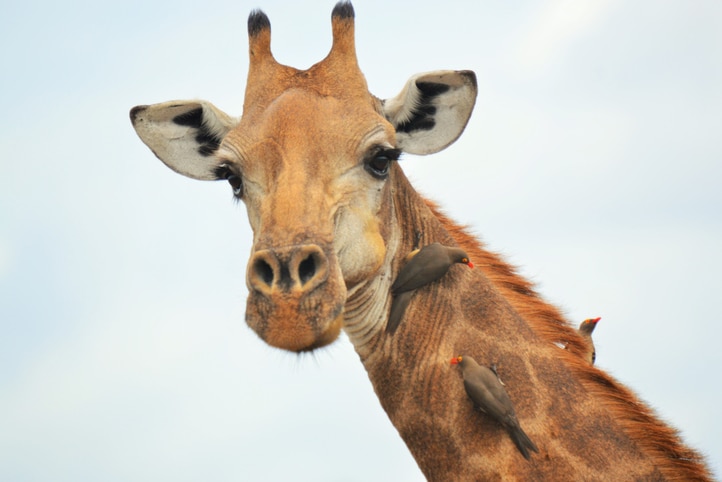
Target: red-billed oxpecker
(423,266)
(586,329)
(488,394)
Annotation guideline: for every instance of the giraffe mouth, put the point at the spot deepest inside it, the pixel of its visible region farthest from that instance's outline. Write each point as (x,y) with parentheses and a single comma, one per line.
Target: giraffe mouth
(295,324)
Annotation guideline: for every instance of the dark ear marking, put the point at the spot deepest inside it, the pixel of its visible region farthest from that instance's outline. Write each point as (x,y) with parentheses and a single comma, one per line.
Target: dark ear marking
(423,113)
(432,89)
(257,22)
(208,142)
(343,10)
(192,118)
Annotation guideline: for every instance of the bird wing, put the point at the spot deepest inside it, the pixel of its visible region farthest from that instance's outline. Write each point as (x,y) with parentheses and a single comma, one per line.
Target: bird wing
(428,265)
(488,394)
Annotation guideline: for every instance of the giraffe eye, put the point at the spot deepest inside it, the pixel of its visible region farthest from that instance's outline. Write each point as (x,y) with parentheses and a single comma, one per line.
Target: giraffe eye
(379,166)
(379,162)
(237,185)
(224,172)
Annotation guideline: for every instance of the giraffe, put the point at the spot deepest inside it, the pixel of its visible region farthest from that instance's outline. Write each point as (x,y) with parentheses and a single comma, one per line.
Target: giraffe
(313,159)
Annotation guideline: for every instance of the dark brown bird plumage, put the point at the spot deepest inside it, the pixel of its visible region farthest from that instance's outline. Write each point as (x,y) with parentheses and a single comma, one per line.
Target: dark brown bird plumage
(423,266)
(488,394)
(585,329)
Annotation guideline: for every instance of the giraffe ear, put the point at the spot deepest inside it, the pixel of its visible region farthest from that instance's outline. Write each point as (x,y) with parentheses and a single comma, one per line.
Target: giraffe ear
(432,110)
(184,134)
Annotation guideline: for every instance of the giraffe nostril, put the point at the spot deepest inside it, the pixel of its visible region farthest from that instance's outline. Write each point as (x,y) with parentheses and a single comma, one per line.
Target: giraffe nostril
(287,269)
(264,271)
(307,269)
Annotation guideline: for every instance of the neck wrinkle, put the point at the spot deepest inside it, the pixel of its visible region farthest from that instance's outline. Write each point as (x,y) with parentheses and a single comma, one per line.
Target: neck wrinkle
(366,312)
(367,304)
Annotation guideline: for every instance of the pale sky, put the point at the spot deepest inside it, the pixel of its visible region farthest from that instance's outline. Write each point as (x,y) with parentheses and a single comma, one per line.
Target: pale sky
(593,161)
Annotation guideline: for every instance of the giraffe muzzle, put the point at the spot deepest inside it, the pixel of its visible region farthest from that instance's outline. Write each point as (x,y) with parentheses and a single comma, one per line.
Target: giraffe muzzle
(296,296)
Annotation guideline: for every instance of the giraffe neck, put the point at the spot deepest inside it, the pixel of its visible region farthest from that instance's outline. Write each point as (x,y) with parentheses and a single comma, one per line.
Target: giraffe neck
(469,312)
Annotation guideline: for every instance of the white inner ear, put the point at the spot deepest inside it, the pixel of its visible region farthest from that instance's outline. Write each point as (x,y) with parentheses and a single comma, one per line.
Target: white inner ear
(184,134)
(400,109)
(429,118)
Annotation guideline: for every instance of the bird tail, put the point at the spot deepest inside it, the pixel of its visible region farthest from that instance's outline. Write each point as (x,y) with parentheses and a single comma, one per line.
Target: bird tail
(398,307)
(523,442)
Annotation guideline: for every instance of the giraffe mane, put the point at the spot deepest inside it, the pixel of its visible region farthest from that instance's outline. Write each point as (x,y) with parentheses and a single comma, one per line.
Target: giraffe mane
(674,459)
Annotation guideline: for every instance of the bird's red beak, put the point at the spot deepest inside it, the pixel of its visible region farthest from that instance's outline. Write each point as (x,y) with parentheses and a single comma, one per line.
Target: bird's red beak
(455,360)
(596,319)
(470,265)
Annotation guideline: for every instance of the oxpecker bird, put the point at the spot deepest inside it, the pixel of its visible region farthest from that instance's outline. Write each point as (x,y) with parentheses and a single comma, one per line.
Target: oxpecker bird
(423,266)
(488,394)
(586,329)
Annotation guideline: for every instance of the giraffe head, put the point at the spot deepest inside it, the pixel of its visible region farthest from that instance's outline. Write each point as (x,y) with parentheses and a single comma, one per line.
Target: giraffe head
(312,159)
